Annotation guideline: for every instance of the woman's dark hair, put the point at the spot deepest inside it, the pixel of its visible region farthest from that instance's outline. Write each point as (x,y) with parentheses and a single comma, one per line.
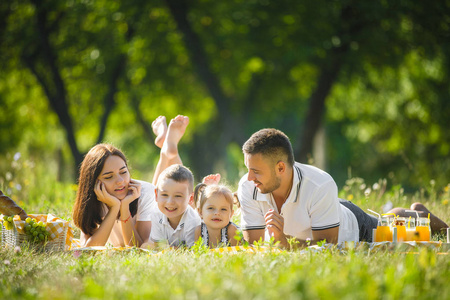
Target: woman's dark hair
(87,208)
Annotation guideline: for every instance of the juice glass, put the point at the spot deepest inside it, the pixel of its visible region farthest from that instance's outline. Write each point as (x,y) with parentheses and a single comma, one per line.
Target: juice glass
(411,233)
(423,228)
(400,223)
(383,232)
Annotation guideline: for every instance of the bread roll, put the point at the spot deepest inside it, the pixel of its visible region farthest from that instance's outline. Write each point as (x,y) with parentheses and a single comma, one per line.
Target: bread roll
(8,207)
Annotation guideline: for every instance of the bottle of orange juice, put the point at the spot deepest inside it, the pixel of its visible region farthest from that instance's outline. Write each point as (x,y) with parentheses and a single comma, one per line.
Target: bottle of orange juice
(383,232)
(423,228)
(400,223)
(411,233)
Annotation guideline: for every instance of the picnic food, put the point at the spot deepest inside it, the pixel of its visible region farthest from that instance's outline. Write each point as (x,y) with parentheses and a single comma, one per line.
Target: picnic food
(8,222)
(9,208)
(423,228)
(44,232)
(36,231)
(399,223)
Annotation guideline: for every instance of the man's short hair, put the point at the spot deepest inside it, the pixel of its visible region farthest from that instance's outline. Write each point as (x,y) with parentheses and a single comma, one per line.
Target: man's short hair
(178,173)
(271,143)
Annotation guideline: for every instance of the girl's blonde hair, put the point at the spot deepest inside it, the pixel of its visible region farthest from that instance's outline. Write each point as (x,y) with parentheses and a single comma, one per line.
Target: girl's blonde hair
(203,192)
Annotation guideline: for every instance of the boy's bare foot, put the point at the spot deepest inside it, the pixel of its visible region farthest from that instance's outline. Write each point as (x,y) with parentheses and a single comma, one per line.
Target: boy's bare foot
(211,179)
(175,132)
(159,127)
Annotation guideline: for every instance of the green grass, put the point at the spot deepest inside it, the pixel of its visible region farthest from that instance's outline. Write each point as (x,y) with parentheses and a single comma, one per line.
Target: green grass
(359,274)
(185,275)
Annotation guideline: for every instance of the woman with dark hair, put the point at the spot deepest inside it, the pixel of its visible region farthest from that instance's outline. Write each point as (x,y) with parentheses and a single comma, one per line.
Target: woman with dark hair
(112,207)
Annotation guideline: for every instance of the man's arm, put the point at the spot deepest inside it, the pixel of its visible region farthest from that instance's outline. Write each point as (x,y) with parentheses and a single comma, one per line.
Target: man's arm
(253,235)
(324,212)
(331,235)
(275,225)
(252,216)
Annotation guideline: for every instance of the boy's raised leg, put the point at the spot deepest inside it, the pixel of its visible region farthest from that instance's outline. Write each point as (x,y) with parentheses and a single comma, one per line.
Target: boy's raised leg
(169,152)
(175,132)
(159,127)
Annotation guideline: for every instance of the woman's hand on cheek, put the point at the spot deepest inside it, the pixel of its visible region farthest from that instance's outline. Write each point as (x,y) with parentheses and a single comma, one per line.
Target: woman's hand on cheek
(104,196)
(134,192)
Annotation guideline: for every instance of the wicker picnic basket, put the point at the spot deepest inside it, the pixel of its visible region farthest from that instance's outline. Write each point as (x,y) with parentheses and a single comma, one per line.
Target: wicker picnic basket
(12,238)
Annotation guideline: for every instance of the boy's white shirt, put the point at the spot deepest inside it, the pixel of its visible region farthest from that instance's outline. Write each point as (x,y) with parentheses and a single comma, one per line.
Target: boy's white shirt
(183,234)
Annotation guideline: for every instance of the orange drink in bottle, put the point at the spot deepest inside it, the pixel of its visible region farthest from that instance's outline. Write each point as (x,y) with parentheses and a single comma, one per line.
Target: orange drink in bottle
(411,233)
(423,228)
(383,232)
(424,233)
(400,223)
(401,233)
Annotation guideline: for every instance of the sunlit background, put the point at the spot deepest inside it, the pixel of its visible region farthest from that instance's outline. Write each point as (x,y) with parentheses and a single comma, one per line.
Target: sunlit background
(360,87)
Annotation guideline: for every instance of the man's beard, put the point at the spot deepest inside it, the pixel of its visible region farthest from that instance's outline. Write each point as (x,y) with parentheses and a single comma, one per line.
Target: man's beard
(275,183)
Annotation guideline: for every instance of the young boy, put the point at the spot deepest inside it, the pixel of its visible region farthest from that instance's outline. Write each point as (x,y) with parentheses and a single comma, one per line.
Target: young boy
(173,219)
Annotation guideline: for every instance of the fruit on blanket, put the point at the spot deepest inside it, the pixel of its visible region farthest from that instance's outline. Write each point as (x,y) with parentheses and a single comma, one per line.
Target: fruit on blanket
(8,207)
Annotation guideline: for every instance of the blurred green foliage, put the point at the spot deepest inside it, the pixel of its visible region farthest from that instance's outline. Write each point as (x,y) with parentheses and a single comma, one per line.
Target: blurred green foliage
(120,64)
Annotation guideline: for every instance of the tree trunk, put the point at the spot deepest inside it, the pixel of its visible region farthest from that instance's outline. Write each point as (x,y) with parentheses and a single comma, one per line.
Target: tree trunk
(223,130)
(148,131)
(350,26)
(198,55)
(42,58)
(54,86)
(109,100)
(316,109)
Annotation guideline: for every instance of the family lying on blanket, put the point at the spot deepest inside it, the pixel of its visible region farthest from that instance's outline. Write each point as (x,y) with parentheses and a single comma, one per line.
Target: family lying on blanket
(280,199)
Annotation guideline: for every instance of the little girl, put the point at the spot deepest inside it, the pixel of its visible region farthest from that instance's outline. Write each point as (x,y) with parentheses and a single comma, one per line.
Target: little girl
(215,206)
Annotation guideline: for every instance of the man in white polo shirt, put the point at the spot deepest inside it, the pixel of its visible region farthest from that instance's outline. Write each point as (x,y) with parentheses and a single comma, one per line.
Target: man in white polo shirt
(281,198)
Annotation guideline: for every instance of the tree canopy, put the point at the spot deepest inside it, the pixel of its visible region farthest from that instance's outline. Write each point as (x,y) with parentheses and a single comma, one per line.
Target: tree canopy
(373,74)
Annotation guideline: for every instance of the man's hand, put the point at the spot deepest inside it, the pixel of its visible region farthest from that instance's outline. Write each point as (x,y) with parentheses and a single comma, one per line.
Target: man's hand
(275,226)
